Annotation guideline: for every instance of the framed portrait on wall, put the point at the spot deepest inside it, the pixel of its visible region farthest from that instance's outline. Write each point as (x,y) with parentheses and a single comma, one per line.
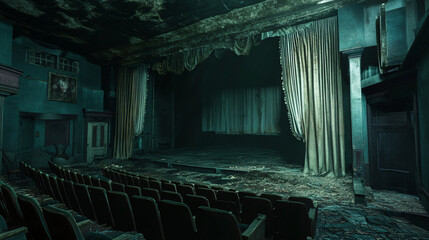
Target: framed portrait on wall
(62,88)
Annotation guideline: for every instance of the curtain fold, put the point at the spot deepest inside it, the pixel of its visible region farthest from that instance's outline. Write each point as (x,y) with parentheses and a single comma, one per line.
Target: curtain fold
(313,93)
(131,95)
(243,111)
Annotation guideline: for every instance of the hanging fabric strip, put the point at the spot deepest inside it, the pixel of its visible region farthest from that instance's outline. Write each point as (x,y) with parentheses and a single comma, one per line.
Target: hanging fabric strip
(130,108)
(313,93)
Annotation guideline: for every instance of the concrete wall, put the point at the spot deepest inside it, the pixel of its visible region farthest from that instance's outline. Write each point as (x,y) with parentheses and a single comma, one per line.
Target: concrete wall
(33,98)
(423,106)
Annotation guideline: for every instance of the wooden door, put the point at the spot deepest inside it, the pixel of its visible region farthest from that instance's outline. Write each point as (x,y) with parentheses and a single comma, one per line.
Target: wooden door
(96,140)
(392,145)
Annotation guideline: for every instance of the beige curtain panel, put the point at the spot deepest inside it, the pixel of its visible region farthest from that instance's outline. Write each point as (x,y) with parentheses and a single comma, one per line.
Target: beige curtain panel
(131,95)
(313,93)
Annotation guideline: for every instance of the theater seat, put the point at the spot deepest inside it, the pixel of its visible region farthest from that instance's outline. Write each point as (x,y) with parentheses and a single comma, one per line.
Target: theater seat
(177,220)
(272,197)
(101,205)
(227,206)
(153,193)
(231,196)
(215,224)
(312,210)
(121,211)
(74,202)
(166,186)
(292,220)
(147,217)
(210,194)
(172,196)
(185,189)
(195,201)
(132,190)
(252,207)
(13,234)
(62,225)
(12,205)
(33,218)
(84,199)
(118,187)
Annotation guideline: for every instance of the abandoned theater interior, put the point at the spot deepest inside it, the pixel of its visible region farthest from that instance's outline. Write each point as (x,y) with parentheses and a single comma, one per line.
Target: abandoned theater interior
(214,119)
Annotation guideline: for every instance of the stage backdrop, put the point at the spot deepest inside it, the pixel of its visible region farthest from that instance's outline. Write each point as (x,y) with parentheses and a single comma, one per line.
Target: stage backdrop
(243,111)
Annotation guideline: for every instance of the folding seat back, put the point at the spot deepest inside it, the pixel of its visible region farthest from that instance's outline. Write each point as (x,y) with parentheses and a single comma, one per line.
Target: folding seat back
(199,185)
(253,206)
(12,205)
(195,201)
(147,217)
(311,208)
(227,206)
(61,224)
(129,179)
(228,196)
(80,178)
(207,193)
(74,177)
(47,184)
(154,184)
(136,181)
(106,184)
(121,211)
(122,178)
(243,194)
(116,176)
(87,180)
(144,182)
(213,224)
(172,196)
(185,189)
(307,201)
(95,182)
(177,220)
(132,190)
(68,175)
(55,188)
(119,187)
(33,218)
(168,187)
(101,205)
(292,220)
(153,193)
(84,199)
(60,184)
(71,195)
(272,197)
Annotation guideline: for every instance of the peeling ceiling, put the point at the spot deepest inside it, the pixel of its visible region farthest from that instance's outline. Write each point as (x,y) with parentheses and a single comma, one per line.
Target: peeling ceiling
(141,30)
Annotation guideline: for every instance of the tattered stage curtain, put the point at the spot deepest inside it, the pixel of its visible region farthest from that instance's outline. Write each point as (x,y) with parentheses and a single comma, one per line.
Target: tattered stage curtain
(189,59)
(243,111)
(130,108)
(313,93)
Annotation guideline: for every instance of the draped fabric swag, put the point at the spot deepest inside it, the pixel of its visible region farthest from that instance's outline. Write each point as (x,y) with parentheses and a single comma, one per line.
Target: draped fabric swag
(130,108)
(313,93)
(243,111)
(188,59)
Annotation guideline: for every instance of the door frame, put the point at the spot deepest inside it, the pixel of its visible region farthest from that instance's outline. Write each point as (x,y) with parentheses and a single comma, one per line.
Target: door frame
(394,86)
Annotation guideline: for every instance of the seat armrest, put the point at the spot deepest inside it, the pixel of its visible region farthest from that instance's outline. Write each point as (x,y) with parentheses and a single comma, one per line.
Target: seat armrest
(312,215)
(256,230)
(21,231)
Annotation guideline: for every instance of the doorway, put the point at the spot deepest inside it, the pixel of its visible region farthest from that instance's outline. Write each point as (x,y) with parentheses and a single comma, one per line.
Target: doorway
(392,147)
(96,140)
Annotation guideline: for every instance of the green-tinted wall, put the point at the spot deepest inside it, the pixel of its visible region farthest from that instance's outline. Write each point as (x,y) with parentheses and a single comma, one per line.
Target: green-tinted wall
(33,98)
(423,105)
(6,32)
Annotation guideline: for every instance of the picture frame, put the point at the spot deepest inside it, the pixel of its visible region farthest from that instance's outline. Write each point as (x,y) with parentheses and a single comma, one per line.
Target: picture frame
(62,88)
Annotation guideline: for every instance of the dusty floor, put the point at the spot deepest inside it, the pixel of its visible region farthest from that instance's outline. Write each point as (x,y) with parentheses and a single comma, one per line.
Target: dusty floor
(266,171)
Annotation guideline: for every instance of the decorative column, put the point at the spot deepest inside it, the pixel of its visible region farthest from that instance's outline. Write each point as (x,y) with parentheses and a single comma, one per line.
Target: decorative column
(357,119)
(9,85)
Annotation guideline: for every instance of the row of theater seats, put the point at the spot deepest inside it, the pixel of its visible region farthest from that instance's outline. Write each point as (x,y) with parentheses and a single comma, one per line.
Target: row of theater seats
(294,218)
(157,216)
(47,220)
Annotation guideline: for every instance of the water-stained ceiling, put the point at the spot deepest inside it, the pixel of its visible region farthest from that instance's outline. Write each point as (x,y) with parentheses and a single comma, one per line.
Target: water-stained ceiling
(136,30)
